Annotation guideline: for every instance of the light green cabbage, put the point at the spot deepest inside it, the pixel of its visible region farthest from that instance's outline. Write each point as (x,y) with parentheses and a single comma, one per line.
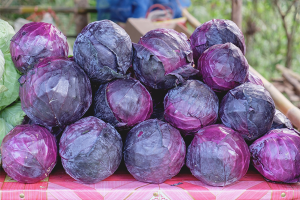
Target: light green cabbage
(2,62)
(13,114)
(4,128)
(6,33)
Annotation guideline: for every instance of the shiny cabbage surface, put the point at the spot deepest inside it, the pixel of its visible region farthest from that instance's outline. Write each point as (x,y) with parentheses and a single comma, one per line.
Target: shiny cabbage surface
(276,155)
(154,151)
(218,155)
(29,153)
(90,150)
(280,121)
(249,109)
(216,31)
(252,78)
(163,58)
(36,41)
(191,106)
(223,67)
(104,50)
(123,103)
(56,92)
(6,33)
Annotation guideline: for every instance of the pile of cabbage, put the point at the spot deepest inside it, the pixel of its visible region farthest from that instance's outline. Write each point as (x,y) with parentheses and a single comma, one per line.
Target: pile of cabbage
(142,102)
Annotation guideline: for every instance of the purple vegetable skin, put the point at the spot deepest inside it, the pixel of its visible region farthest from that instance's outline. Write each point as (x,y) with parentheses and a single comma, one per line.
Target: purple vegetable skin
(216,31)
(123,103)
(28,153)
(56,92)
(163,58)
(191,106)
(218,156)
(36,41)
(281,121)
(223,67)
(249,109)
(276,155)
(90,150)
(252,78)
(104,50)
(154,151)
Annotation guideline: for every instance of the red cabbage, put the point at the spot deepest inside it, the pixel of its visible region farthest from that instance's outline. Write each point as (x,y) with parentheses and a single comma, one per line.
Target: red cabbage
(252,78)
(280,121)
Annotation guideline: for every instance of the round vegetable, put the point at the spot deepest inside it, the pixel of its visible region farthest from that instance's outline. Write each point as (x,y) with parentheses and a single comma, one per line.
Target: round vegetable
(163,58)
(104,50)
(216,31)
(252,78)
(56,92)
(28,153)
(248,109)
(218,156)
(191,106)
(123,103)
(36,41)
(276,155)
(90,150)
(280,121)
(223,67)
(154,151)
(6,33)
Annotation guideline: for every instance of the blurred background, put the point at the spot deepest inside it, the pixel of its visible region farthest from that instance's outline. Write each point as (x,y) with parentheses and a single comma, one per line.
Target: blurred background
(270,27)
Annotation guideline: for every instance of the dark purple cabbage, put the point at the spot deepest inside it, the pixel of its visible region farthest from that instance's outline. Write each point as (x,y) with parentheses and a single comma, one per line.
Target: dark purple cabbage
(154,151)
(223,67)
(29,153)
(249,109)
(36,41)
(123,103)
(191,106)
(163,58)
(280,121)
(218,155)
(56,92)
(90,150)
(252,78)
(216,31)
(104,50)
(276,155)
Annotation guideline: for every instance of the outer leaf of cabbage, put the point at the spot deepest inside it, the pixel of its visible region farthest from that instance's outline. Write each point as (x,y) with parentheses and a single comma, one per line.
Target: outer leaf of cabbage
(6,33)
(4,128)
(10,81)
(2,62)
(13,114)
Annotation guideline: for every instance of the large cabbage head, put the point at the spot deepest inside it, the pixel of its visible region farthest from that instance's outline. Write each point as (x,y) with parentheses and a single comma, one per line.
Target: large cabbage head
(280,121)
(191,106)
(252,78)
(36,41)
(28,153)
(56,92)
(6,33)
(249,109)
(104,50)
(123,103)
(218,155)
(163,58)
(90,150)
(276,155)
(223,67)
(154,151)
(216,31)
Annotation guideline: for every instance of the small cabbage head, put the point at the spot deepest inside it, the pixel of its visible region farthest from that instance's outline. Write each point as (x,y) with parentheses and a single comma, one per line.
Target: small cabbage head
(280,121)
(252,78)
(6,33)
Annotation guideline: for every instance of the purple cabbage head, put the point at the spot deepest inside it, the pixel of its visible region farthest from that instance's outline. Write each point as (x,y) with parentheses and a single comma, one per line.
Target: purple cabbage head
(104,50)
(163,58)
(223,67)
(34,42)
(154,151)
(191,106)
(249,109)
(276,155)
(56,92)
(280,121)
(218,156)
(216,31)
(90,150)
(123,103)
(252,78)
(29,153)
